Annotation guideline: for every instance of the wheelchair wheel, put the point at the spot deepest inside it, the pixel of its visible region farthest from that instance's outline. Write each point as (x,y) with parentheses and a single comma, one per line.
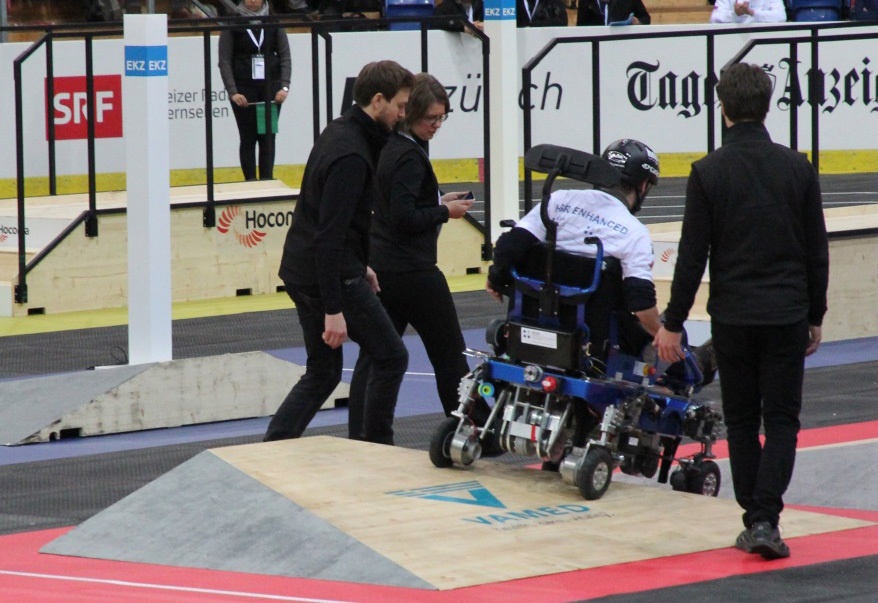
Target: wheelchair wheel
(440,443)
(495,336)
(705,479)
(594,473)
(678,481)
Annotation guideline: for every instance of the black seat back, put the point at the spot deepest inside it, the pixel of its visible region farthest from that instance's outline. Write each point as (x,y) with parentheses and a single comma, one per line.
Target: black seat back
(571,270)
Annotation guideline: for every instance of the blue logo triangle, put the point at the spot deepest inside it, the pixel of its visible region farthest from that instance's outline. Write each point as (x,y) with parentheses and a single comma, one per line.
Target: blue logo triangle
(472,493)
(480,497)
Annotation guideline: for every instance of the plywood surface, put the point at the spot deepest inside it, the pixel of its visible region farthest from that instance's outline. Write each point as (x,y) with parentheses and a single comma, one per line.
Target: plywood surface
(492,522)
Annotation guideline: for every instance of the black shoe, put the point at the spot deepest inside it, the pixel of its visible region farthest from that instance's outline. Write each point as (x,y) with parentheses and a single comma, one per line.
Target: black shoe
(767,542)
(705,358)
(744,541)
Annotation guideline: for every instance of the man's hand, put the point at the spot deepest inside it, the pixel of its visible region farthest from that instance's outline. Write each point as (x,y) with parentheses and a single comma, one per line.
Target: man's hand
(335,330)
(239,99)
(456,204)
(743,8)
(372,279)
(494,293)
(281,96)
(668,345)
(816,334)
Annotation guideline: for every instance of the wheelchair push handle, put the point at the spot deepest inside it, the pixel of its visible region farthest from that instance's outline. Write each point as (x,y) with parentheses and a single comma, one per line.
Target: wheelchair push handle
(598,263)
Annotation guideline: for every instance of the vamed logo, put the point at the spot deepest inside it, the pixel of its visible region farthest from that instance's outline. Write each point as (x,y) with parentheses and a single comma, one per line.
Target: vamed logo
(465,493)
(230,221)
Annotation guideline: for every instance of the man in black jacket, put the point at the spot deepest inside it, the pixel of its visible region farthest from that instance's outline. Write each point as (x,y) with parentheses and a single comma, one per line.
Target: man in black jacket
(326,254)
(754,208)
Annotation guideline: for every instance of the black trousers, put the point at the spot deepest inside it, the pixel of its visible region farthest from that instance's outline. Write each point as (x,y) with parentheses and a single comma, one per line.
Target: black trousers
(761,371)
(369,326)
(423,300)
(245,118)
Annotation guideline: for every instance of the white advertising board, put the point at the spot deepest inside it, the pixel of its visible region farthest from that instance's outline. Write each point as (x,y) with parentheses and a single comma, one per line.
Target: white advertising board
(651,88)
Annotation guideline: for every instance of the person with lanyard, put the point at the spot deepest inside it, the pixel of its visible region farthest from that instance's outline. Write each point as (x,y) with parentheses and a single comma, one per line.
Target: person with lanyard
(408,214)
(614,12)
(540,13)
(255,66)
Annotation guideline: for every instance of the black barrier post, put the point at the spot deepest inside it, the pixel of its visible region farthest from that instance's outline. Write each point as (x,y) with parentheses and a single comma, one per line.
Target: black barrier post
(208,215)
(91,223)
(50,113)
(814,97)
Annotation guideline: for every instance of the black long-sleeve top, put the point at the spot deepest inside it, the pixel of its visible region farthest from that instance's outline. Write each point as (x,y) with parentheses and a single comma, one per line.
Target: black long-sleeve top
(407,212)
(754,207)
(592,12)
(455,8)
(540,13)
(236,50)
(328,241)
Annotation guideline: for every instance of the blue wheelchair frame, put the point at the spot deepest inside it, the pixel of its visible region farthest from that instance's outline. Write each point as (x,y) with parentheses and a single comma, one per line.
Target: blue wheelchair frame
(554,399)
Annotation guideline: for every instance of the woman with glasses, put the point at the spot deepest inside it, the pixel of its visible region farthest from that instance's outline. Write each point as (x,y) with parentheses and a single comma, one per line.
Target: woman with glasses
(408,213)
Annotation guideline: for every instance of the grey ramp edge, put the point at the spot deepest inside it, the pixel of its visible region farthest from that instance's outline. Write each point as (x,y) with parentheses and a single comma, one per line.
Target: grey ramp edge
(28,405)
(208,514)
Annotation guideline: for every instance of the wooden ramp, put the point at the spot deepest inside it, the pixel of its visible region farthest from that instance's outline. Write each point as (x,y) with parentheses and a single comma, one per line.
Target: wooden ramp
(323,507)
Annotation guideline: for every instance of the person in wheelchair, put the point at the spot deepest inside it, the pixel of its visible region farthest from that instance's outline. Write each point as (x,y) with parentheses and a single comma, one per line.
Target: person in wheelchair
(627,289)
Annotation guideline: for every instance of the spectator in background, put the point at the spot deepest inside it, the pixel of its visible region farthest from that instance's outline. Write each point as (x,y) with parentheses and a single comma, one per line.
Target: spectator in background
(744,12)
(612,12)
(541,13)
(472,10)
(192,9)
(254,62)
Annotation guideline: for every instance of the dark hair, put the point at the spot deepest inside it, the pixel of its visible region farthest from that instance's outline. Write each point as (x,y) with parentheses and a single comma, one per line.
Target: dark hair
(426,91)
(381,77)
(744,90)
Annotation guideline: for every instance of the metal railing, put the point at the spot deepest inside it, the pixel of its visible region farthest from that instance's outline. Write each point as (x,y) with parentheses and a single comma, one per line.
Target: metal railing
(206,28)
(809,33)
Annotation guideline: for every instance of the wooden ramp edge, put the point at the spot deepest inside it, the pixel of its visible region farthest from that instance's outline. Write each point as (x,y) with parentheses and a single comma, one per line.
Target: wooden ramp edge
(150,396)
(422,527)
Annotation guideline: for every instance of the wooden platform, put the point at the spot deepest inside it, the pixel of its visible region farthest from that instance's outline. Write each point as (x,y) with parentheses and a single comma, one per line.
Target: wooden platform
(853,271)
(240,256)
(305,506)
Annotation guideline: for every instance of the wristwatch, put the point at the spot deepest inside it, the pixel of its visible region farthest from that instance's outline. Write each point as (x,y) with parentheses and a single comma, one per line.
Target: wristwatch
(286,88)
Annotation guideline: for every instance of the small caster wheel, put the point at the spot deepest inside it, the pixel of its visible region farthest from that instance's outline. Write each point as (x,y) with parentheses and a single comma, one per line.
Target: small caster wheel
(678,480)
(705,479)
(440,443)
(594,473)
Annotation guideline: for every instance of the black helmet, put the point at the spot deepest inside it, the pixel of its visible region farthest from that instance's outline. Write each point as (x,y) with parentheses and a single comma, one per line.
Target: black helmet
(636,161)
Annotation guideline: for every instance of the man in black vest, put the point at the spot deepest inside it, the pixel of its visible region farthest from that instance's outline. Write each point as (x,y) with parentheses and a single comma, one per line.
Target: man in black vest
(325,260)
(754,208)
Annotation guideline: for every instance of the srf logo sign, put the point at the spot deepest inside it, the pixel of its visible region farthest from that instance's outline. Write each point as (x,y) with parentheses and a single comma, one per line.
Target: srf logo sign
(69,110)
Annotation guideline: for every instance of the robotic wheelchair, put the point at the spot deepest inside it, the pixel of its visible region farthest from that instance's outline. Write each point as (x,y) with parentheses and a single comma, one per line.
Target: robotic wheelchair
(583,408)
